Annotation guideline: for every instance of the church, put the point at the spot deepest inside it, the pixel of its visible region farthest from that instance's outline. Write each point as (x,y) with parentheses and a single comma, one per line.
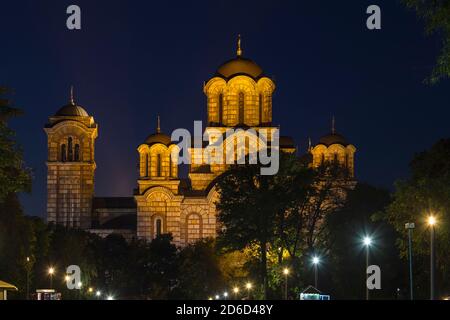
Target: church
(238,95)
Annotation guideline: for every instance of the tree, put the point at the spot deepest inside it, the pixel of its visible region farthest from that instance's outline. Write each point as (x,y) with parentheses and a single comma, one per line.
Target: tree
(426,192)
(344,253)
(199,274)
(436,15)
(14,176)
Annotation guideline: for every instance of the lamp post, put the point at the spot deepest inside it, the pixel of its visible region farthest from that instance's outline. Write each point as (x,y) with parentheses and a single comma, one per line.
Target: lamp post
(28,278)
(235,291)
(316,261)
(432,223)
(51,271)
(367,242)
(249,287)
(410,227)
(286,273)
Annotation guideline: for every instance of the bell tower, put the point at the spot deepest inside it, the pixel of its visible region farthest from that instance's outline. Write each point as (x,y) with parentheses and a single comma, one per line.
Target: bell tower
(71,135)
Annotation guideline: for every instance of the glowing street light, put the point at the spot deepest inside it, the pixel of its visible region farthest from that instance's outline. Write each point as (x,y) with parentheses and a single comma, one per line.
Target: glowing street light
(316,261)
(98,293)
(90,290)
(51,272)
(235,291)
(367,242)
(225,295)
(286,273)
(248,286)
(431,223)
(209,298)
(110,297)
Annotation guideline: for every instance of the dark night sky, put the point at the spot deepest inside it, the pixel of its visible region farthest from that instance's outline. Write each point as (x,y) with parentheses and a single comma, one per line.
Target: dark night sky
(133,60)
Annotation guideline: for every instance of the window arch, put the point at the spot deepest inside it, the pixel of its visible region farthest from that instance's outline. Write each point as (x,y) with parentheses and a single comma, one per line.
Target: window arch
(241,104)
(63,153)
(146,165)
(158,165)
(158,227)
(70,149)
(77,152)
(220,108)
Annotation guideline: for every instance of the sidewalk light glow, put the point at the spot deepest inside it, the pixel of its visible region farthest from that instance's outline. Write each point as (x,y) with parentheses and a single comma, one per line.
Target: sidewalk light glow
(248,285)
(98,293)
(225,294)
(236,290)
(51,270)
(286,271)
(217,297)
(431,221)
(110,298)
(367,241)
(316,260)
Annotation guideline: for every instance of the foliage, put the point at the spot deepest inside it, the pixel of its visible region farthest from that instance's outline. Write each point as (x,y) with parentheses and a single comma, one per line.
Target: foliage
(14,176)
(426,192)
(436,14)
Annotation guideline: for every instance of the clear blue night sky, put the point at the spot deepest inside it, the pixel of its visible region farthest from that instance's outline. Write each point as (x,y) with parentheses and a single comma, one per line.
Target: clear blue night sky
(133,60)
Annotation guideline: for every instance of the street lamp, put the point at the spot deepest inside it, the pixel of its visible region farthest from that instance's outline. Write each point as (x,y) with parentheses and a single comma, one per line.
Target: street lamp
(51,271)
(431,223)
(225,295)
(98,294)
(28,278)
(367,242)
(316,261)
(235,291)
(248,286)
(110,298)
(286,273)
(410,227)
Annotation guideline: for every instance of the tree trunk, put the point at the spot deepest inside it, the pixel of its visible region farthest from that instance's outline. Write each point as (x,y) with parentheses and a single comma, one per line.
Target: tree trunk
(264,268)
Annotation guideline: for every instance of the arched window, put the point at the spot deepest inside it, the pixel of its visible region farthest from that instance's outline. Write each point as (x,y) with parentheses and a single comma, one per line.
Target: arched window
(220,108)
(241,107)
(146,165)
(335,158)
(77,152)
(63,153)
(158,165)
(322,160)
(158,227)
(260,108)
(70,149)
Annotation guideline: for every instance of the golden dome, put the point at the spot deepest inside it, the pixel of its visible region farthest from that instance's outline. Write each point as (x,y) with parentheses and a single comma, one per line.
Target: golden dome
(239,66)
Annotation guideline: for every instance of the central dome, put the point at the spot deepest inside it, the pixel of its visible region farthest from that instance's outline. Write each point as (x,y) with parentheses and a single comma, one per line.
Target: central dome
(239,66)
(72,110)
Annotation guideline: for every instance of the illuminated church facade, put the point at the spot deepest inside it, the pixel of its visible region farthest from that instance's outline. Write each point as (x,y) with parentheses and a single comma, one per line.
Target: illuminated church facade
(238,95)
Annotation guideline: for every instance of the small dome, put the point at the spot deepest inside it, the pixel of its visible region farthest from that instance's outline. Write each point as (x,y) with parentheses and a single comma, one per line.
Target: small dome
(72,110)
(158,138)
(239,66)
(333,138)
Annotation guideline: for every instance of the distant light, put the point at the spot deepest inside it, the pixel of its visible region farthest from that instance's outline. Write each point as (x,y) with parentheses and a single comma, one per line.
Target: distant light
(28,259)
(80,284)
(236,290)
(316,260)
(110,298)
(67,278)
(98,293)
(90,290)
(225,294)
(367,241)
(431,221)
(286,271)
(217,297)
(248,285)
(51,271)
(209,298)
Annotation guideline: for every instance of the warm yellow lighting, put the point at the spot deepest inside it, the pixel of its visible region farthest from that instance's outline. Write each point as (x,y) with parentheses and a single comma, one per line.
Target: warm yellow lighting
(286,271)
(90,290)
(248,285)
(51,271)
(431,221)
(67,278)
(236,290)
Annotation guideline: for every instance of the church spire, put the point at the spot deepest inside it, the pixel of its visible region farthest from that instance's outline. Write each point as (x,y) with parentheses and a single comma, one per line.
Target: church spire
(333,125)
(158,127)
(239,49)
(72,100)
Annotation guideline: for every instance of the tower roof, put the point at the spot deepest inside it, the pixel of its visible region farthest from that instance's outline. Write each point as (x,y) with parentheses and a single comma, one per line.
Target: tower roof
(333,137)
(158,136)
(239,66)
(72,109)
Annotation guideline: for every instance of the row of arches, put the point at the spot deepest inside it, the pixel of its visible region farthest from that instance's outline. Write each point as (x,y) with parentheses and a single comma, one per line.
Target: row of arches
(70,151)
(193,227)
(157,162)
